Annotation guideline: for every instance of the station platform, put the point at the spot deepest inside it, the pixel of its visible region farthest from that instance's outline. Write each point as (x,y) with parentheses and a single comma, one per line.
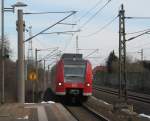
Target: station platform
(49,111)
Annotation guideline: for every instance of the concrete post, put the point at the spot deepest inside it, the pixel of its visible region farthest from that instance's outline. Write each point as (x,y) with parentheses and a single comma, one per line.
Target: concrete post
(20,81)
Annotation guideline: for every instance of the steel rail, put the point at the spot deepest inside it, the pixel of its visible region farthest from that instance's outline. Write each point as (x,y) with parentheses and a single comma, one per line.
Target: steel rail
(95,113)
(136,97)
(99,116)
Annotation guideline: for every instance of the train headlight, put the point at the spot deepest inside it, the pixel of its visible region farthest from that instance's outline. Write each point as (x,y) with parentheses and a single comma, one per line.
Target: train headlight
(59,84)
(87,84)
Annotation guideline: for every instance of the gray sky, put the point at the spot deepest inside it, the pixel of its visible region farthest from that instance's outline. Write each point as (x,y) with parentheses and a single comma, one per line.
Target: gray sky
(105,40)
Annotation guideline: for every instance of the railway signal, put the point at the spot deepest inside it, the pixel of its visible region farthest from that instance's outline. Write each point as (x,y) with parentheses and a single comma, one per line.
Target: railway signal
(32,75)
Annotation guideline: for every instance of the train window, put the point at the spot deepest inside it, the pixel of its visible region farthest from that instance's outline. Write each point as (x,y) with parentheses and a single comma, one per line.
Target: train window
(74,72)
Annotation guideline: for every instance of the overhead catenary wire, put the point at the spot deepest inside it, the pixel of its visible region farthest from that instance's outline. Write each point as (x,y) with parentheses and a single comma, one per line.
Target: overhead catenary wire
(50,54)
(94,15)
(141,45)
(136,51)
(32,13)
(97,4)
(136,32)
(49,27)
(105,26)
(146,32)
(96,50)
(47,49)
(67,44)
(86,49)
(137,17)
(99,10)
(142,32)
(62,32)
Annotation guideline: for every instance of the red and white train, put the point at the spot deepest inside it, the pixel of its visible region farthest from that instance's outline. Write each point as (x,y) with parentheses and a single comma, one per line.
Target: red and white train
(71,76)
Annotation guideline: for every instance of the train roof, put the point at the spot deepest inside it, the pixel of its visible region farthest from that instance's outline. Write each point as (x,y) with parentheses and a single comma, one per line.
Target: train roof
(72,56)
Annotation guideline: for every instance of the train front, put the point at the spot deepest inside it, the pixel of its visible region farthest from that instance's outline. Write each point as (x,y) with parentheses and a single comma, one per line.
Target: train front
(77,76)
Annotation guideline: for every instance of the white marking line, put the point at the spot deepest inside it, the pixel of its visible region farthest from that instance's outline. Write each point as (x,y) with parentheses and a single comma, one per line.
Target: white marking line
(144,115)
(25,118)
(42,113)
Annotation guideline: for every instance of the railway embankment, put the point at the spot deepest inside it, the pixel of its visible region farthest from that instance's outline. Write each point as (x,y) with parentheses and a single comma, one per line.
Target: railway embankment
(118,112)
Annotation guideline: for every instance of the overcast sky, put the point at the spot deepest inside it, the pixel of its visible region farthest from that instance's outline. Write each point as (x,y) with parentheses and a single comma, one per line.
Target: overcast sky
(105,40)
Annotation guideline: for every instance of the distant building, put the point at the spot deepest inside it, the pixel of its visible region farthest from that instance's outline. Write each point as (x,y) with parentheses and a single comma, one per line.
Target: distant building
(100,69)
(146,64)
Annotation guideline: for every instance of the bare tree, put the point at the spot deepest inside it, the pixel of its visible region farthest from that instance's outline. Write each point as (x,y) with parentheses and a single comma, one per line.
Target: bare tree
(6,45)
(10,72)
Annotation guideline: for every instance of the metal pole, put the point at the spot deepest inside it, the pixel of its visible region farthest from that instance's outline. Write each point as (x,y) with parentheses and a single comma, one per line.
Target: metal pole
(48,74)
(142,57)
(44,84)
(77,45)
(36,68)
(21,82)
(122,55)
(36,59)
(33,89)
(124,48)
(120,78)
(2,49)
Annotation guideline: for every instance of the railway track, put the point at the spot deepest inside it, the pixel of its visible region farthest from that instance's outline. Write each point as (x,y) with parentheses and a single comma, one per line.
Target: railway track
(83,113)
(131,95)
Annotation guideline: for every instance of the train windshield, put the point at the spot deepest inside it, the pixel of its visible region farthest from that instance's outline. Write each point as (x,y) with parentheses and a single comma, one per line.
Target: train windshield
(75,73)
